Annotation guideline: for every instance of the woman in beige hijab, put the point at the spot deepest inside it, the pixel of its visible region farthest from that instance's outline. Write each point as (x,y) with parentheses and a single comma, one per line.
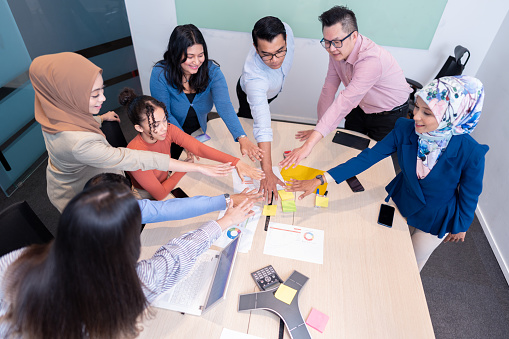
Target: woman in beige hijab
(68,91)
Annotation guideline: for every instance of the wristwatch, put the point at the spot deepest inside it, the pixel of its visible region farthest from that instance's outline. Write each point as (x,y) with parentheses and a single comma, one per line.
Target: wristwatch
(241,136)
(228,199)
(320,177)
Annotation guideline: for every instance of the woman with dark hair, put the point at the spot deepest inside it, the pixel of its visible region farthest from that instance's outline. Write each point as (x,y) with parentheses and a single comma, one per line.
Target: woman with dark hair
(149,117)
(88,283)
(189,84)
(69,90)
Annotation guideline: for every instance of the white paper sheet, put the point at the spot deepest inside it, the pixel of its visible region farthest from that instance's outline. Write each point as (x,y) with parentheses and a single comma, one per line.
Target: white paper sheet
(249,183)
(294,242)
(247,228)
(230,334)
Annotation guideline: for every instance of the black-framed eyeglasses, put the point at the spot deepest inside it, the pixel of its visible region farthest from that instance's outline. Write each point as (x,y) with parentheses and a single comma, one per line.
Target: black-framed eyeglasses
(269,56)
(336,43)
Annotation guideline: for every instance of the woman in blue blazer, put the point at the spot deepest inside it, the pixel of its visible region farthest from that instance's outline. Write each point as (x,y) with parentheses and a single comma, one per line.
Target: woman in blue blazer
(442,166)
(189,84)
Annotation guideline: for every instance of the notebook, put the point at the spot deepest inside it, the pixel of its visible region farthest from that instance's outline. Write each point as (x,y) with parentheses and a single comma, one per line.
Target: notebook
(205,285)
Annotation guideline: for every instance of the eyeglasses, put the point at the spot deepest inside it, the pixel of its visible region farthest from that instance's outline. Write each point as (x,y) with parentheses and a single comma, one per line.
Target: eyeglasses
(269,56)
(336,43)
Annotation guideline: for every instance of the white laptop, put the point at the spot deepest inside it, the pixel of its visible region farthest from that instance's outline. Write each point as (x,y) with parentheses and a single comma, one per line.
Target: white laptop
(205,285)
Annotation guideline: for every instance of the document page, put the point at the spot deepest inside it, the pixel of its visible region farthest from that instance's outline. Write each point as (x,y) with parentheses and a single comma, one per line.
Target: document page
(294,242)
(247,228)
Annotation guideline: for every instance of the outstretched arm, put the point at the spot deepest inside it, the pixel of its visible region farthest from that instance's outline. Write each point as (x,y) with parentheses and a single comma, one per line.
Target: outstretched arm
(300,153)
(173,261)
(268,185)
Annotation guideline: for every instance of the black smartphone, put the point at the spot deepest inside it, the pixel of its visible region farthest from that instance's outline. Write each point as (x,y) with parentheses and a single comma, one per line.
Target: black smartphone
(351,140)
(179,193)
(355,184)
(386,215)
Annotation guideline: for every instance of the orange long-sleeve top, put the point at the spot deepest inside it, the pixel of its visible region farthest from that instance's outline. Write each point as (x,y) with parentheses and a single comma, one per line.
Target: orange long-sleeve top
(157,183)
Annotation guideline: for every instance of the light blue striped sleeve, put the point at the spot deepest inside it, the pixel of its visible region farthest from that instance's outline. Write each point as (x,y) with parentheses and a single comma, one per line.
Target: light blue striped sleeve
(173,261)
(5,262)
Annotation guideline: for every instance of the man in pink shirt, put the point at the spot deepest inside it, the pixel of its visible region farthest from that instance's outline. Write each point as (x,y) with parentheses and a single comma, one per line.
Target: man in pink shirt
(376,92)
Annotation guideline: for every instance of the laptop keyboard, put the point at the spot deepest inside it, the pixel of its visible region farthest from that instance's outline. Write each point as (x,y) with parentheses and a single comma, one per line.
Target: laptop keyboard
(186,290)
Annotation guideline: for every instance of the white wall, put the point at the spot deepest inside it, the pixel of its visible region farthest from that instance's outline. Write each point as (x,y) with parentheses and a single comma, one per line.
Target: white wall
(492,130)
(464,22)
(151,23)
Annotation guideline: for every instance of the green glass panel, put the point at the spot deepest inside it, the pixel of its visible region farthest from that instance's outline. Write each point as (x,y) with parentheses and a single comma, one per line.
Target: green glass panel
(399,23)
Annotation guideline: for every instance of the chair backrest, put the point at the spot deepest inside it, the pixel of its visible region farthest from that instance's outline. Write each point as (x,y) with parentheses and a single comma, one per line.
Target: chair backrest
(114,136)
(113,133)
(453,65)
(20,227)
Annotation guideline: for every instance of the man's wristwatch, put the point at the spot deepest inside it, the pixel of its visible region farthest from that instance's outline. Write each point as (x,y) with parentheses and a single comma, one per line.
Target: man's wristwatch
(320,177)
(241,136)
(228,199)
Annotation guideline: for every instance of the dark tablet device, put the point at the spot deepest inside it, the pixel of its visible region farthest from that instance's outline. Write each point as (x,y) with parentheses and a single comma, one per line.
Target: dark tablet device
(355,184)
(179,193)
(386,215)
(350,140)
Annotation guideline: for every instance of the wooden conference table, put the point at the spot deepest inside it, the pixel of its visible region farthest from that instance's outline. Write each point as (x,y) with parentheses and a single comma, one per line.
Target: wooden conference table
(368,285)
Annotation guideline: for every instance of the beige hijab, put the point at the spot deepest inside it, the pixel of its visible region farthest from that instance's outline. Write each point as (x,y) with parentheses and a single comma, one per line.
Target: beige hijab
(63,85)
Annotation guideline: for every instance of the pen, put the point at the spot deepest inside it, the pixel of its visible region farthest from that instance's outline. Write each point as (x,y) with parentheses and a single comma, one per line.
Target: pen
(267,218)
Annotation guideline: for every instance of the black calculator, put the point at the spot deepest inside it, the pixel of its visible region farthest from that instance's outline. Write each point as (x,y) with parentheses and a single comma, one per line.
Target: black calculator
(266,277)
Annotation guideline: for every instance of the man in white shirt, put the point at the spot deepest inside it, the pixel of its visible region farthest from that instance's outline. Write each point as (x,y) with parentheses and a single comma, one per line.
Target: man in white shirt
(265,69)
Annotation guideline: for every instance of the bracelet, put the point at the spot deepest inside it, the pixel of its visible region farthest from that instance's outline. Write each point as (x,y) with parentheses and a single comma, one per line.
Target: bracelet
(102,119)
(227,198)
(320,177)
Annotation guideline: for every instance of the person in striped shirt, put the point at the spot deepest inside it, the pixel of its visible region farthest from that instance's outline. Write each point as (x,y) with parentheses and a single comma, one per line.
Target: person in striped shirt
(88,282)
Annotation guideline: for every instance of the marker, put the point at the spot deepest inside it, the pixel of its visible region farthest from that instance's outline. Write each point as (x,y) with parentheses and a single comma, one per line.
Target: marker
(317,194)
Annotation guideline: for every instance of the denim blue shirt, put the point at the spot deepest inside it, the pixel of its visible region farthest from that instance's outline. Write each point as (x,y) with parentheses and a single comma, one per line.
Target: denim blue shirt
(178,209)
(178,105)
(260,83)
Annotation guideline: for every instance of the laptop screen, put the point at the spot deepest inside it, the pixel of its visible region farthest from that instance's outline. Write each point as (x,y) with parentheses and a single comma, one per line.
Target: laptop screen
(224,267)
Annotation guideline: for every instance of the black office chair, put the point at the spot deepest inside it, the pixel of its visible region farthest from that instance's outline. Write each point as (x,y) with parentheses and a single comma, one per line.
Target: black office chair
(113,133)
(114,136)
(453,66)
(20,227)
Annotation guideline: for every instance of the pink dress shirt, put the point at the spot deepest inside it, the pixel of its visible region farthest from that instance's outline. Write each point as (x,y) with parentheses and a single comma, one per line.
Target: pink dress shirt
(373,80)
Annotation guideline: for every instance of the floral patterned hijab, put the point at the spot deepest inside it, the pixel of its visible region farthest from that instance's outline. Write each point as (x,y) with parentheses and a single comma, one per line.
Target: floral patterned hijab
(456,103)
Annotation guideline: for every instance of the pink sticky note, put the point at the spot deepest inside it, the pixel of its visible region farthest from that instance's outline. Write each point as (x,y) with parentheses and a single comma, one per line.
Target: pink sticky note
(317,320)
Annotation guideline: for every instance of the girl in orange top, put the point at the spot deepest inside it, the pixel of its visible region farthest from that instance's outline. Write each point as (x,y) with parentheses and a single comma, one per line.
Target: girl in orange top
(149,117)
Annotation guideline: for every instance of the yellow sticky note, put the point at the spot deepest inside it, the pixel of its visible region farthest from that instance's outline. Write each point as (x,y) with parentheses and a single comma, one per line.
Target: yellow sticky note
(321,201)
(286,195)
(288,206)
(285,294)
(303,173)
(269,210)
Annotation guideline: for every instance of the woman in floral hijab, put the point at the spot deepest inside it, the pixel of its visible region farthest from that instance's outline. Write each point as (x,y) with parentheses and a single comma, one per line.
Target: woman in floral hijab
(456,103)
(442,166)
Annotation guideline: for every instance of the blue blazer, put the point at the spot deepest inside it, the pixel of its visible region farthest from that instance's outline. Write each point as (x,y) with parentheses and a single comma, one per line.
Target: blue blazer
(445,200)
(178,105)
